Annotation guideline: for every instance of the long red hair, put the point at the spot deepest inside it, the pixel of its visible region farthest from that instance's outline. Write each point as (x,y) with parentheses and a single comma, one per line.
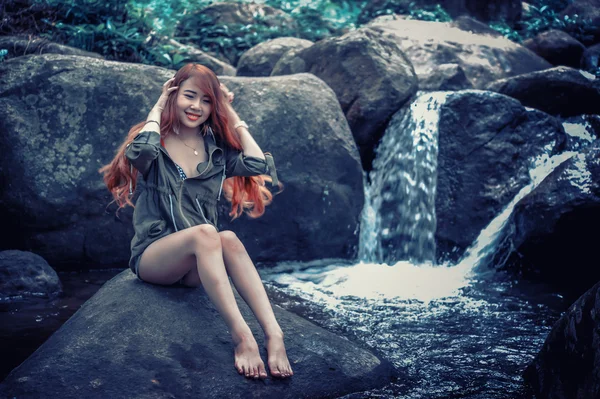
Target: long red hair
(246,194)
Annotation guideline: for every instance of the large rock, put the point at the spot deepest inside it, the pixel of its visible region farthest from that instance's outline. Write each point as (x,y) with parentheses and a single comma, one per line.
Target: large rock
(298,119)
(25,274)
(557,47)
(487,144)
(133,339)
(193,54)
(483,57)
(260,59)
(24,45)
(567,365)
(560,91)
(370,76)
(225,27)
(550,234)
(489,10)
(590,59)
(55,203)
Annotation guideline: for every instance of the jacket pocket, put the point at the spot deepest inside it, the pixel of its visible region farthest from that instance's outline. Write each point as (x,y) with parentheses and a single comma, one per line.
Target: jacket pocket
(154,229)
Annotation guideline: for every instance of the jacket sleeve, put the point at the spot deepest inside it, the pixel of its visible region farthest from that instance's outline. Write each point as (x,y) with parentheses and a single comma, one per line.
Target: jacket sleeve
(143,150)
(238,164)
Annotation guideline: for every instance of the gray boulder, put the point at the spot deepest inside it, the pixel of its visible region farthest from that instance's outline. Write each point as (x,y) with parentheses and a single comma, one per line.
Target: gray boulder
(483,57)
(370,76)
(133,339)
(260,59)
(560,91)
(54,199)
(193,54)
(567,367)
(590,59)
(553,226)
(298,119)
(556,47)
(24,45)
(487,144)
(25,274)
(444,77)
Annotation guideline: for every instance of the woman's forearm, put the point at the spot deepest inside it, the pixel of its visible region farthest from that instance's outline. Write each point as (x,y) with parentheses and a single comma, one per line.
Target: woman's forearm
(153,115)
(249,145)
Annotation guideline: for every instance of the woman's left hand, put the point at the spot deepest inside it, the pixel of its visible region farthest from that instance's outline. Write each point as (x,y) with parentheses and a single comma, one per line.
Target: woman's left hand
(228,95)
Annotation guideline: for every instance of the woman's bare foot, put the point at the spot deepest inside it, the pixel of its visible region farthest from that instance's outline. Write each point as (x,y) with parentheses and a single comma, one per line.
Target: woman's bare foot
(279,365)
(247,358)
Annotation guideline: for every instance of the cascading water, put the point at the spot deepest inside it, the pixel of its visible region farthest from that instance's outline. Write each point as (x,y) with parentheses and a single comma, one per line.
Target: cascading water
(453,331)
(405,168)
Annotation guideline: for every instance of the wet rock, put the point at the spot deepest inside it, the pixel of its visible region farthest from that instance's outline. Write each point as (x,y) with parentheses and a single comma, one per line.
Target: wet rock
(483,57)
(260,59)
(58,206)
(487,145)
(560,91)
(581,130)
(233,19)
(133,339)
(567,366)
(370,76)
(25,274)
(557,47)
(23,45)
(550,234)
(590,59)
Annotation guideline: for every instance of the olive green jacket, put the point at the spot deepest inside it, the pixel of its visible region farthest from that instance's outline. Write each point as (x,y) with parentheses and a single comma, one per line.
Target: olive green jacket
(167,203)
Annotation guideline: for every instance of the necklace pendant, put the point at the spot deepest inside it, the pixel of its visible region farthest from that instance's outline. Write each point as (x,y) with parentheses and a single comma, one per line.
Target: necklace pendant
(195,152)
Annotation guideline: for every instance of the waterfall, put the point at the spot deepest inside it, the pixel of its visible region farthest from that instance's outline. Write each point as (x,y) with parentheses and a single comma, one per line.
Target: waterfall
(398,220)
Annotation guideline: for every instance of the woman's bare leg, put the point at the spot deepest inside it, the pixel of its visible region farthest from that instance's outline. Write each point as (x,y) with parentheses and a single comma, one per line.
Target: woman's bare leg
(250,286)
(166,260)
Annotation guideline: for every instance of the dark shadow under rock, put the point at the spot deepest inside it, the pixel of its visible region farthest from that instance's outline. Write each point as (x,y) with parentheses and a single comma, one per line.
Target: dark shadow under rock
(134,339)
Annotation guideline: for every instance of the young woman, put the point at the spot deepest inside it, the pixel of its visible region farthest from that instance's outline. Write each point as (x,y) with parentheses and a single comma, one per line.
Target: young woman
(192,149)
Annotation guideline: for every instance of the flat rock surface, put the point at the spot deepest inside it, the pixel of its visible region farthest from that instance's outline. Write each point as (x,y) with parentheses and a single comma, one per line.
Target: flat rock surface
(137,340)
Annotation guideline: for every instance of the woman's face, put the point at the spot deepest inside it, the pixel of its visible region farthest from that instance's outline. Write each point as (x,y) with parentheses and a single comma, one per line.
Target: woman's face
(193,105)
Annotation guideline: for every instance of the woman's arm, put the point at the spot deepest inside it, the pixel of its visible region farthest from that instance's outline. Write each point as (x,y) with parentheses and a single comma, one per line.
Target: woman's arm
(249,145)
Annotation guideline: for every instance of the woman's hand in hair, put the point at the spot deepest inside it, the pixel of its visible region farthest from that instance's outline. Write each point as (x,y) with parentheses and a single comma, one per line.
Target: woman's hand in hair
(164,96)
(228,94)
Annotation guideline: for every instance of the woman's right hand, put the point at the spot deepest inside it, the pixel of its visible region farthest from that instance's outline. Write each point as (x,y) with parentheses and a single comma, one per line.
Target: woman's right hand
(164,96)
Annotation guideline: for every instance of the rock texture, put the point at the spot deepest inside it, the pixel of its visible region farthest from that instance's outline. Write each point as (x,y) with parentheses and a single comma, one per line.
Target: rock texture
(444,77)
(487,144)
(370,76)
(298,119)
(560,91)
(590,59)
(567,366)
(54,200)
(193,54)
(550,234)
(24,274)
(483,57)
(260,59)
(133,339)
(23,45)
(557,47)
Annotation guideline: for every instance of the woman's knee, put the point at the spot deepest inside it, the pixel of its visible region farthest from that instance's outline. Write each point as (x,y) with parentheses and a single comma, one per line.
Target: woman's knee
(231,243)
(206,237)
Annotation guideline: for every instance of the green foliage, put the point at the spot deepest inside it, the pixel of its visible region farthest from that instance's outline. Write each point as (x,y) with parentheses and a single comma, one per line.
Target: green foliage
(3,53)
(545,16)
